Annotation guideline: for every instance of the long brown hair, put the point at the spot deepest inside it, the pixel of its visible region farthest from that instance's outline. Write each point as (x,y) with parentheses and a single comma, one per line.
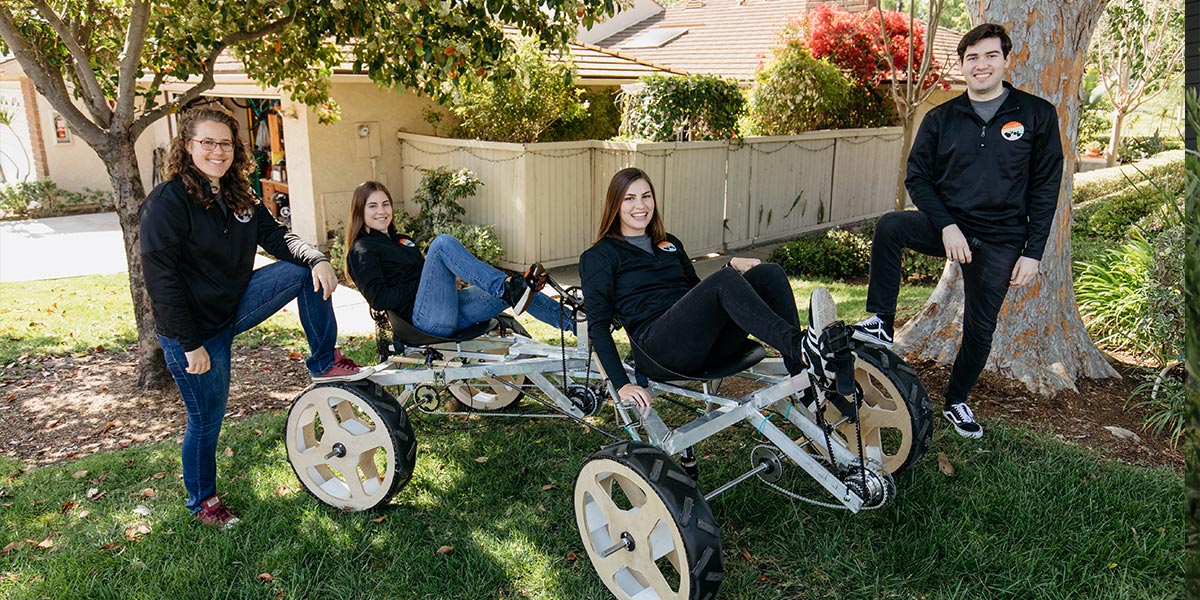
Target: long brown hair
(610,219)
(234,183)
(356,222)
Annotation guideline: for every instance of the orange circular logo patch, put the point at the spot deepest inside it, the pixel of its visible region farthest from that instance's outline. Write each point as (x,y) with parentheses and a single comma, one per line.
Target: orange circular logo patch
(1012,131)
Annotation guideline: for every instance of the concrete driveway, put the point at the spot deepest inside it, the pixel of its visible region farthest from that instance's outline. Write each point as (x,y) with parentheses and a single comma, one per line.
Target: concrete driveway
(92,245)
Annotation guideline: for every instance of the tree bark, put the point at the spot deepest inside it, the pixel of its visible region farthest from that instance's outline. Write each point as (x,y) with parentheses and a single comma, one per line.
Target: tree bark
(128,193)
(1114,141)
(1040,339)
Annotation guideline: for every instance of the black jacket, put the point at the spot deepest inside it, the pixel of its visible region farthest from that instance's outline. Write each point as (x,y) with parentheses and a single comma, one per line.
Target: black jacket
(621,280)
(387,271)
(197,262)
(998,180)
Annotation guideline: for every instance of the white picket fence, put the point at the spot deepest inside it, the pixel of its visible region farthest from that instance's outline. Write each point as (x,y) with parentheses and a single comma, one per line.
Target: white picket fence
(544,200)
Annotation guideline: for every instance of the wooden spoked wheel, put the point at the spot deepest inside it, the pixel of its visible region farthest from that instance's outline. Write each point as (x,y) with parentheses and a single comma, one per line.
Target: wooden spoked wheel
(488,393)
(350,444)
(646,527)
(897,417)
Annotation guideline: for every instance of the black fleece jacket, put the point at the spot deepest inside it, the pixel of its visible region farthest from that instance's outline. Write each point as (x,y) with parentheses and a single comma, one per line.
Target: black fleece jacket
(386,270)
(998,181)
(197,262)
(624,282)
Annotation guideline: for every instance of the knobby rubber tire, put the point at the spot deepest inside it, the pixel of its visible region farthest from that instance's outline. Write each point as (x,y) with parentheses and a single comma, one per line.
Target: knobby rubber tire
(656,475)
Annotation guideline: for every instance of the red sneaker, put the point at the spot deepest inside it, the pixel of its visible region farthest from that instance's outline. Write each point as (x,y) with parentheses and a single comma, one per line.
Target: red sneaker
(344,369)
(214,514)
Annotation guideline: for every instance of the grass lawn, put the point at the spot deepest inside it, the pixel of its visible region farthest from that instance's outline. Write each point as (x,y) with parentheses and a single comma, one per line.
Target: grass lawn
(1025,516)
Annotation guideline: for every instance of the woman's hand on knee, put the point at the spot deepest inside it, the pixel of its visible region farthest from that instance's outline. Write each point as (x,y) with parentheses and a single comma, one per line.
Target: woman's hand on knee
(741,265)
(638,394)
(197,361)
(324,279)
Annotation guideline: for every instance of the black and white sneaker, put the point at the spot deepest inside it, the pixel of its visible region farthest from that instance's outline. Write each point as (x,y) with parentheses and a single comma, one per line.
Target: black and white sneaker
(874,331)
(519,290)
(826,346)
(963,420)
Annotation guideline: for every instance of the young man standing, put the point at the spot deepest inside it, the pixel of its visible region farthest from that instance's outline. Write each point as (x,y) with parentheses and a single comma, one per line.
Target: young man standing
(984,173)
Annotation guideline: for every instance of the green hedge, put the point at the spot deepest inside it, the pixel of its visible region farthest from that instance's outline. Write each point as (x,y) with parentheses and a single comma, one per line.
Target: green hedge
(43,198)
(1165,168)
(1117,199)
(846,253)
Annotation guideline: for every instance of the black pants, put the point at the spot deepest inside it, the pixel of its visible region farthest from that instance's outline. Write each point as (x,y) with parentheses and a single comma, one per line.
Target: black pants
(707,323)
(985,284)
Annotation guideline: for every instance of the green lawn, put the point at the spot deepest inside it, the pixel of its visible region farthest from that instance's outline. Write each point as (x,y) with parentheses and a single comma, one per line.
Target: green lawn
(1025,516)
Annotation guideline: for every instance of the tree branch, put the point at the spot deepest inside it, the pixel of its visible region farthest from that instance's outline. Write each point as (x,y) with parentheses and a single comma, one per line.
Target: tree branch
(93,95)
(52,87)
(135,39)
(207,80)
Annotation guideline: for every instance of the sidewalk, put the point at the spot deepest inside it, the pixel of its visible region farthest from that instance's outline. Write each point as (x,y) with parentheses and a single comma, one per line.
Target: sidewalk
(93,245)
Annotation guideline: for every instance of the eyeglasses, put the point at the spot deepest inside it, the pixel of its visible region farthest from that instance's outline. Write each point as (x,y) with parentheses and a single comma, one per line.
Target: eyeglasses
(210,145)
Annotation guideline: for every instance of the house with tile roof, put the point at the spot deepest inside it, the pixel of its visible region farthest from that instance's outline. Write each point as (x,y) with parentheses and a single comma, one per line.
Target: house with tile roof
(321,163)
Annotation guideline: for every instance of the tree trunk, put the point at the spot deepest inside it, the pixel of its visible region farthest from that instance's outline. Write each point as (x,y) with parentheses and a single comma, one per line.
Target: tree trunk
(1114,141)
(1040,339)
(128,193)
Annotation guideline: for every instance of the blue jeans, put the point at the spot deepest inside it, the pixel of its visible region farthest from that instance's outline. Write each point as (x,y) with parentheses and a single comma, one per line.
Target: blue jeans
(441,308)
(205,395)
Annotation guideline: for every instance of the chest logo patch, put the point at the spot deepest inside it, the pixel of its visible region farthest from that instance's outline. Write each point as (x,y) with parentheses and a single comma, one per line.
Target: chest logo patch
(407,242)
(666,246)
(243,216)
(1012,131)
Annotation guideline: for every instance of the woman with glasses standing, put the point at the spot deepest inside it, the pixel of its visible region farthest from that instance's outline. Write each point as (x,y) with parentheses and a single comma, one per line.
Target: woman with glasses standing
(199,234)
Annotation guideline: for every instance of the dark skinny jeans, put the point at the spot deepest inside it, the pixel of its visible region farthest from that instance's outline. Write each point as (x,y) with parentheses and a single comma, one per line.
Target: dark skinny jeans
(707,323)
(985,284)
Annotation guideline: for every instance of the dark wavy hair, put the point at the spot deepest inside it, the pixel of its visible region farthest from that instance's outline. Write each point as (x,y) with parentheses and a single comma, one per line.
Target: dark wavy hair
(235,184)
(610,218)
(983,32)
(356,221)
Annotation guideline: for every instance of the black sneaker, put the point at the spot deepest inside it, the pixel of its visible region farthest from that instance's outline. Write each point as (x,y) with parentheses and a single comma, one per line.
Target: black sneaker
(826,346)
(518,291)
(963,420)
(874,331)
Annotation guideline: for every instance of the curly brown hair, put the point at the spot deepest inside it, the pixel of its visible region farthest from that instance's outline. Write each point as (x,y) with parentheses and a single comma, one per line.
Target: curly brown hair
(234,183)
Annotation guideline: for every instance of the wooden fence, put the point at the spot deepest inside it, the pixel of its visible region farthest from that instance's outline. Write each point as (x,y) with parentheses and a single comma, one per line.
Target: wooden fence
(544,199)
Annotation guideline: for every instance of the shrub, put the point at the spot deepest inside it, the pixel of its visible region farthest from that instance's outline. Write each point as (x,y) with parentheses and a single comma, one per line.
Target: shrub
(1165,168)
(661,108)
(1135,148)
(438,195)
(835,253)
(529,92)
(602,121)
(43,198)
(796,93)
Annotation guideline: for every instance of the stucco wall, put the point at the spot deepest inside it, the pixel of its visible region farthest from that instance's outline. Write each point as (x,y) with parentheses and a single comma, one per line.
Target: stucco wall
(339,158)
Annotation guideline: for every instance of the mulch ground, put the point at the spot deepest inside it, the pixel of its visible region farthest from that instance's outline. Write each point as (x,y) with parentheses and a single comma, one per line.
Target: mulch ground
(66,407)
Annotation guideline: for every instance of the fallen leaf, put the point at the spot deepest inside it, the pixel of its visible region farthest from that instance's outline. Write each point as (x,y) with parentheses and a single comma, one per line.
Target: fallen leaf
(84,513)
(79,474)
(110,425)
(142,509)
(571,556)
(112,546)
(10,547)
(159,475)
(148,493)
(258,432)
(1112,565)
(481,459)
(444,550)
(68,506)
(944,465)
(379,519)
(137,531)
(99,348)
(95,494)
(295,355)
(549,486)
(279,595)
(282,490)
(746,555)
(51,424)
(46,543)
(266,577)
(228,451)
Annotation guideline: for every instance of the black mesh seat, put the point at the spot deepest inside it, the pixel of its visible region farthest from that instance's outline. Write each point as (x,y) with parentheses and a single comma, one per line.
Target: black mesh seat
(746,355)
(393,334)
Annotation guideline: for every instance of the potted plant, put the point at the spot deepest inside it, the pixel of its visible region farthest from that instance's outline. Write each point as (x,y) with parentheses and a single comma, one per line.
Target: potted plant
(1092,148)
